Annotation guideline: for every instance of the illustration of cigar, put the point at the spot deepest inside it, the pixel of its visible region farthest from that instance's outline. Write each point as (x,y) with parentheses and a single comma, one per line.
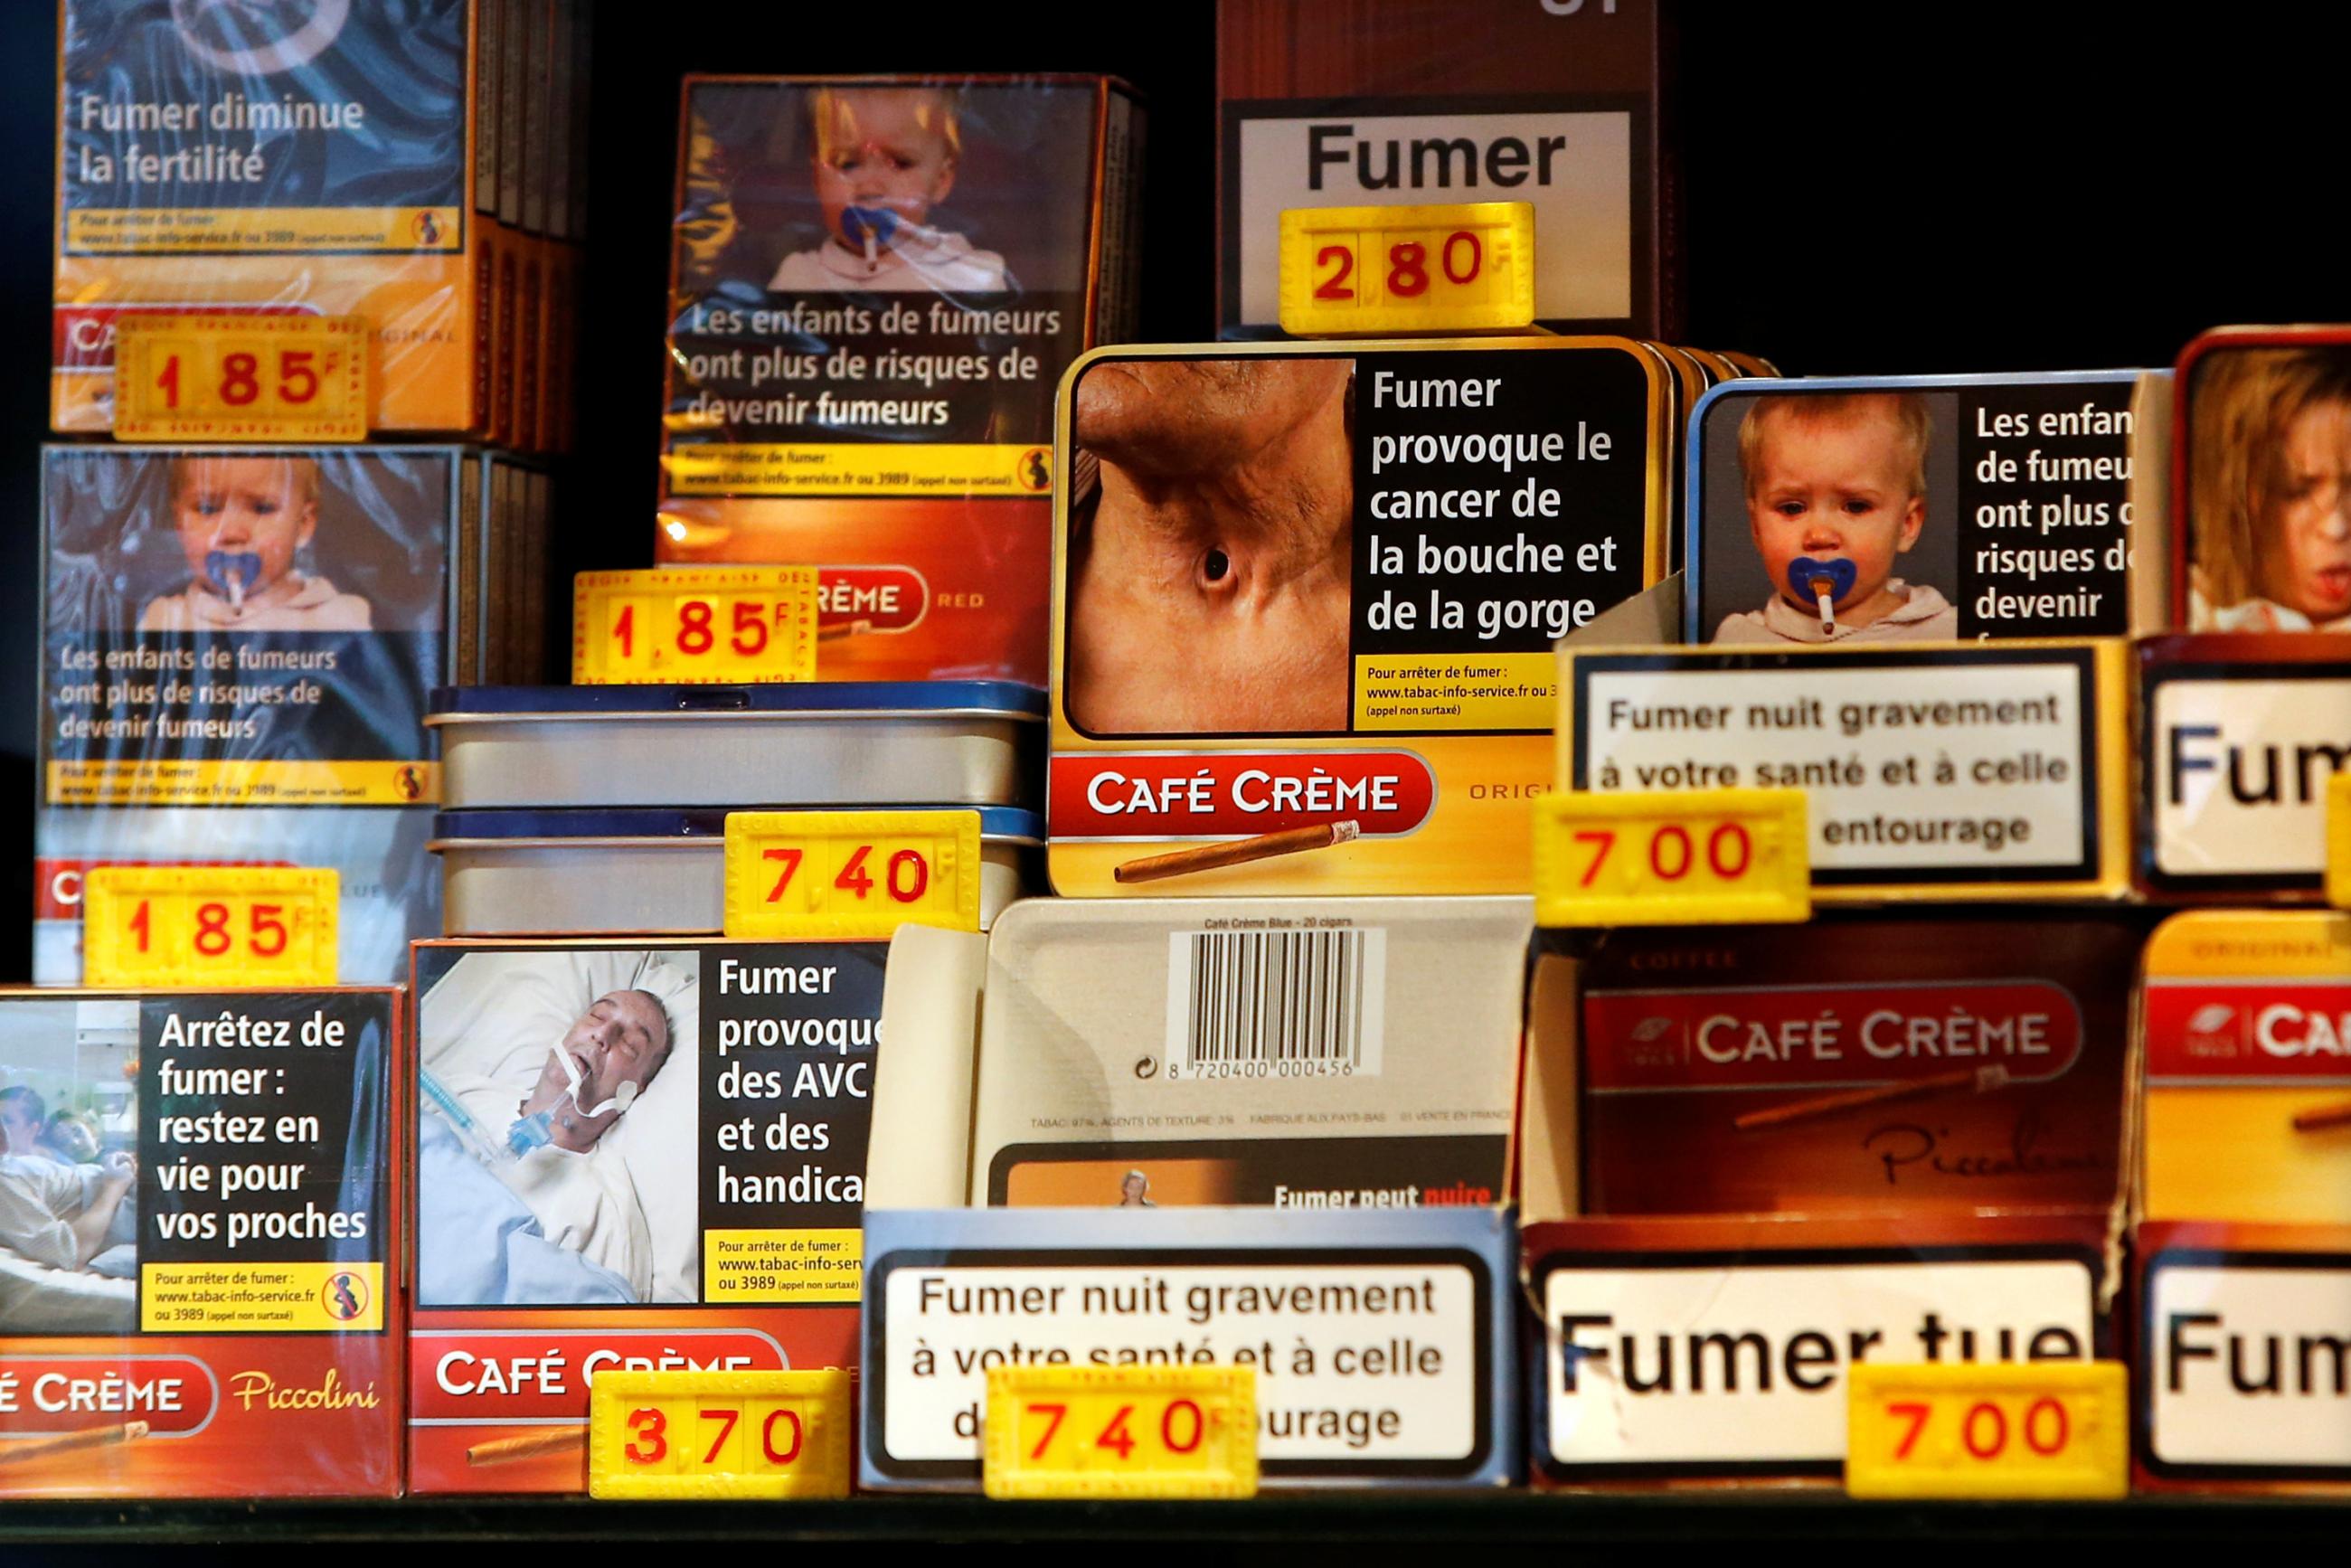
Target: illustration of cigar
(840,628)
(72,1442)
(1981,1080)
(530,1446)
(2319,1118)
(1240,851)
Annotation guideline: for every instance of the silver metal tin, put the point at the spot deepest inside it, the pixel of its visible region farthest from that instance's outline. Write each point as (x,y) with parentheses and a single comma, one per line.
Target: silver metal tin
(956,743)
(642,873)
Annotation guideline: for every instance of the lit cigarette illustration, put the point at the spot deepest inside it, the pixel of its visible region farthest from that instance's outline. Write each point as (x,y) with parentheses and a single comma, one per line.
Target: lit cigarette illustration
(2320,1118)
(840,628)
(72,1442)
(1825,582)
(1821,587)
(507,1450)
(1240,852)
(1981,1080)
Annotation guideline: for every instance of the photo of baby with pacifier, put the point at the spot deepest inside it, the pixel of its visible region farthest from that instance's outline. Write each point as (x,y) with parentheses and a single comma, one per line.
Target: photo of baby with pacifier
(244,523)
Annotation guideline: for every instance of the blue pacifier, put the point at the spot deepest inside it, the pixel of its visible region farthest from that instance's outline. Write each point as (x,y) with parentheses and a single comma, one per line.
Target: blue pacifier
(862,224)
(235,570)
(1842,575)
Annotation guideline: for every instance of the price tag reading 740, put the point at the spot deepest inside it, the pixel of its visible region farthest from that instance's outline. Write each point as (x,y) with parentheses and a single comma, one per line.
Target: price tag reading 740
(693,625)
(719,1433)
(1467,267)
(846,875)
(209,926)
(2032,1429)
(1121,1431)
(241,378)
(1671,857)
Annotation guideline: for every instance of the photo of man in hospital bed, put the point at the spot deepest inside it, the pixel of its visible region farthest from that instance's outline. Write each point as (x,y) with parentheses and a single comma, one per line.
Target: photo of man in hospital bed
(557,1128)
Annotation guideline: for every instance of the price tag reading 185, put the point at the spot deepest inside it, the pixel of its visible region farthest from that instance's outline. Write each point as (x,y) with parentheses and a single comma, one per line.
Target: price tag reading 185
(1121,1431)
(719,1433)
(737,625)
(209,926)
(1671,857)
(846,875)
(241,378)
(2032,1430)
(1462,269)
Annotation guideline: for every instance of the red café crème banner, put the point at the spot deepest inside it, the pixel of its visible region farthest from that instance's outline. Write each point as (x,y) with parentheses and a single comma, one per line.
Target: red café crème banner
(1227,794)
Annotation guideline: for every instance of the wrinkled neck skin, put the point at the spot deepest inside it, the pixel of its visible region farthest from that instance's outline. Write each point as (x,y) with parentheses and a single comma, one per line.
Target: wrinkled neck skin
(1159,644)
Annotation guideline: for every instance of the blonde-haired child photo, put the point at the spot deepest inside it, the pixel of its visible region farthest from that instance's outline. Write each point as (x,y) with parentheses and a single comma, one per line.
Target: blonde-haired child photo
(2269,490)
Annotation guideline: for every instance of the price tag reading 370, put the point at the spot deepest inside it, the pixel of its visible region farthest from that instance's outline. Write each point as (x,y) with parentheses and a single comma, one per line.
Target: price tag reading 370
(850,876)
(209,926)
(293,376)
(1670,857)
(694,626)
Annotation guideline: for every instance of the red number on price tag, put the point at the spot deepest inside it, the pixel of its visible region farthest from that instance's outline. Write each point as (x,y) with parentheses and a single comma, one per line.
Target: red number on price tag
(719,1433)
(1464,267)
(2028,1430)
(1671,857)
(228,925)
(1149,1431)
(278,377)
(694,625)
(800,875)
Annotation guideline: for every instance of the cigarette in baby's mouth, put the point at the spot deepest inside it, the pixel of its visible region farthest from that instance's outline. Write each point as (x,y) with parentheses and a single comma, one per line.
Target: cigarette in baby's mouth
(1240,851)
(1981,1080)
(2319,1118)
(840,628)
(1822,588)
(70,1442)
(873,255)
(530,1445)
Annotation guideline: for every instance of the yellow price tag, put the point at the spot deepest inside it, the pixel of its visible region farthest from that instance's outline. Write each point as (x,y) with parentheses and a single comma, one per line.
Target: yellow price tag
(719,1433)
(1121,1431)
(1469,268)
(2338,840)
(1698,857)
(156,927)
(2030,1430)
(693,625)
(795,875)
(240,377)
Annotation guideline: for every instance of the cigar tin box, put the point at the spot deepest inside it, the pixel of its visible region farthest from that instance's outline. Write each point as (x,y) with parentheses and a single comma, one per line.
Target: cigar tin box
(960,743)
(649,869)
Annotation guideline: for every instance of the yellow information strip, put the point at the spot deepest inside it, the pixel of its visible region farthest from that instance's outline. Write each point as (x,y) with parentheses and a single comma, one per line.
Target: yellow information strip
(1455,691)
(786,1268)
(209,926)
(1466,267)
(694,625)
(1696,857)
(241,378)
(2035,1429)
(113,231)
(860,468)
(247,783)
(1123,1431)
(835,876)
(260,1298)
(719,1435)
(2338,840)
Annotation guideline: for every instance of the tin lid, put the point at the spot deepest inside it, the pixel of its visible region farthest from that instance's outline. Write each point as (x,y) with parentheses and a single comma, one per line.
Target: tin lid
(997,824)
(854,699)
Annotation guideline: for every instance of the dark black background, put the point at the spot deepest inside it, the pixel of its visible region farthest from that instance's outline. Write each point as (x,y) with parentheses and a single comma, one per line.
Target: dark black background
(1865,188)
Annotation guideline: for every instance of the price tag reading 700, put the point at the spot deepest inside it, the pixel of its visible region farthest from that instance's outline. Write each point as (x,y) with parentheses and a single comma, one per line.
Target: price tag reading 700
(209,926)
(1127,1431)
(792,875)
(2032,1429)
(1671,857)
(694,625)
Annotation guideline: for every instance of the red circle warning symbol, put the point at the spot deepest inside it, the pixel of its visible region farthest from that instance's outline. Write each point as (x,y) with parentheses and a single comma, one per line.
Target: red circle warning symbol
(344,1296)
(1035,469)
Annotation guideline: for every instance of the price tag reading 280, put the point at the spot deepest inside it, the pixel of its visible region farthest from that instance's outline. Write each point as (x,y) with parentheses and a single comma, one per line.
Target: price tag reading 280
(848,875)
(1123,1431)
(209,926)
(1462,269)
(735,624)
(292,377)
(1671,857)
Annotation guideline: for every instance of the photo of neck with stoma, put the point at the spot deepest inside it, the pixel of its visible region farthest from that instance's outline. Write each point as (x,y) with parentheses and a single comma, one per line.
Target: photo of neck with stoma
(1209,575)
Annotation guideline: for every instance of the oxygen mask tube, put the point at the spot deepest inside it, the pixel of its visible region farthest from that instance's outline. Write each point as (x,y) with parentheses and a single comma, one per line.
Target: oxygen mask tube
(1825,582)
(537,1129)
(462,1121)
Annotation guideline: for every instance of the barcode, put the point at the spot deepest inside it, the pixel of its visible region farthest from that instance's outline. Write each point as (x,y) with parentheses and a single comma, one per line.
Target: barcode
(1275,1004)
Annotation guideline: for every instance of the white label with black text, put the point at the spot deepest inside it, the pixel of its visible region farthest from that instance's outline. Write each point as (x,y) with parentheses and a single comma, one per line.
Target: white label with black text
(2252,1365)
(1368,1362)
(2238,770)
(1574,170)
(1975,767)
(1745,1364)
